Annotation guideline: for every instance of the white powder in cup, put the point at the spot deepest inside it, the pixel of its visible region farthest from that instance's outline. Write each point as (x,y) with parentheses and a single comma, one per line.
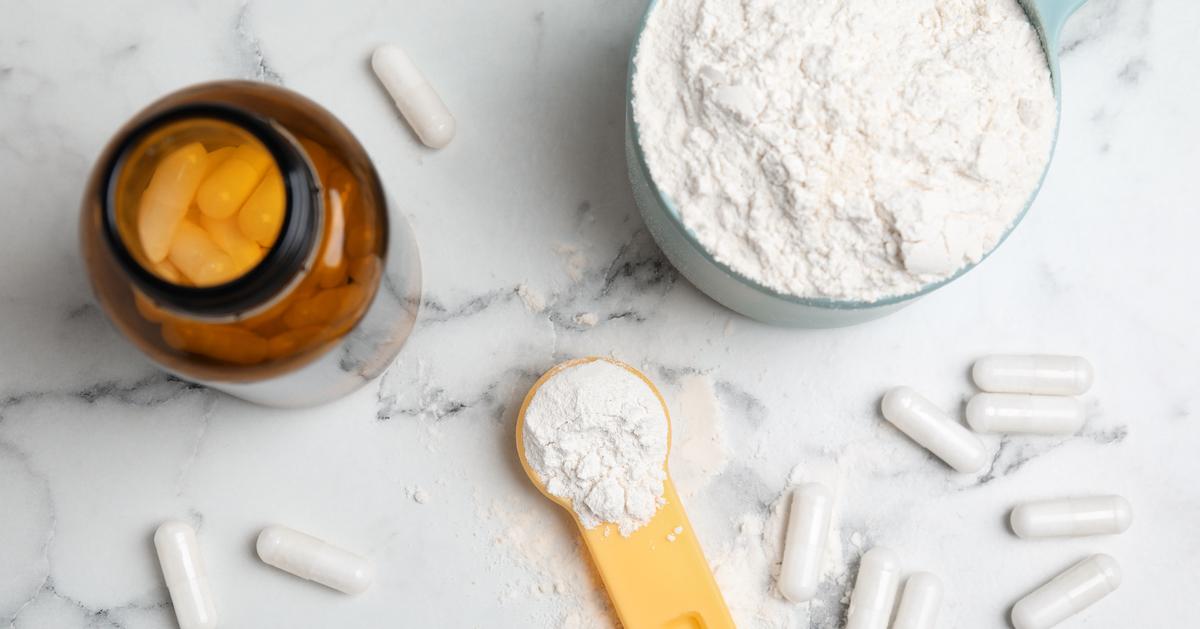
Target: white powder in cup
(849,149)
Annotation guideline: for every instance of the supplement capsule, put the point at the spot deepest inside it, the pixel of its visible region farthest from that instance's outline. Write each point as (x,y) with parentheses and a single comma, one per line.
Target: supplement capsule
(200,260)
(804,547)
(1067,594)
(1031,414)
(226,343)
(165,202)
(874,590)
(310,558)
(262,215)
(414,96)
(1095,515)
(926,424)
(187,580)
(225,233)
(1037,374)
(920,603)
(233,180)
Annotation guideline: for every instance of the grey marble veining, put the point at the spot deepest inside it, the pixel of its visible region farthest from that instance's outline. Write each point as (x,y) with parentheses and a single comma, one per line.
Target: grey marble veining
(527,230)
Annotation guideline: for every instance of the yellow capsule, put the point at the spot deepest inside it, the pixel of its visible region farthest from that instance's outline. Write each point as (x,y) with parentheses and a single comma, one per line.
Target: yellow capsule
(148,309)
(199,258)
(317,155)
(224,231)
(166,199)
(364,270)
(225,343)
(262,213)
(216,158)
(168,272)
(331,266)
(232,182)
(292,341)
(325,307)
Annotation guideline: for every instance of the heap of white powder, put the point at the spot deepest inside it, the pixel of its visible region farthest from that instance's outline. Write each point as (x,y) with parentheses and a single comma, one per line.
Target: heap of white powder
(596,436)
(852,149)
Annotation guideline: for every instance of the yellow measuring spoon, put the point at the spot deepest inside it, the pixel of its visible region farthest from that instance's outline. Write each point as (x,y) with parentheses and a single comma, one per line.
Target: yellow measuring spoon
(656,578)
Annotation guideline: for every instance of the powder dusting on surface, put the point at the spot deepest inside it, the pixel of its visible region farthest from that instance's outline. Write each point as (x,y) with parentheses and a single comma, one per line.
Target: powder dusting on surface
(700,451)
(596,436)
(850,150)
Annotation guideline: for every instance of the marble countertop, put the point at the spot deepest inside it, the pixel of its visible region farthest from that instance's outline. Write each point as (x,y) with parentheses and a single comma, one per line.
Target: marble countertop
(526,223)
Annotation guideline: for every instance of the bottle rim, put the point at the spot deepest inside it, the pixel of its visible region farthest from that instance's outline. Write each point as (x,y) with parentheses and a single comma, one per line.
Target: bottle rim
(284,260)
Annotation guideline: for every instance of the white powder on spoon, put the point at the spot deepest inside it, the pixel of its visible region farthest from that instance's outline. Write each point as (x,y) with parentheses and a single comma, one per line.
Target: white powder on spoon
(596,436)
(849,149)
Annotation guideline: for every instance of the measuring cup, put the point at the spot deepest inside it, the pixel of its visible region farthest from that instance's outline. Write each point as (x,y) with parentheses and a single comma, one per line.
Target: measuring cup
(656,578)
(744,295)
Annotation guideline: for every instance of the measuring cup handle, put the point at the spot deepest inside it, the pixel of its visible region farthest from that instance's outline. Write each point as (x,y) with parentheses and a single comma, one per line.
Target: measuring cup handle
(1053,14)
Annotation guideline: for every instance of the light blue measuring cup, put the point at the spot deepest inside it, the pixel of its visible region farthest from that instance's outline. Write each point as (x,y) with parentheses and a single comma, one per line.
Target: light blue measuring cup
(754,300)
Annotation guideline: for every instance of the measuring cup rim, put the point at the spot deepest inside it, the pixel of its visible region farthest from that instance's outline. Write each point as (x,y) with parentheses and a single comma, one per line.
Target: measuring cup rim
(674,217)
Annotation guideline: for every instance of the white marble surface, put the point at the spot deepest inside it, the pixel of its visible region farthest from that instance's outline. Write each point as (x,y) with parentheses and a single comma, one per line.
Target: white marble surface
(97,447)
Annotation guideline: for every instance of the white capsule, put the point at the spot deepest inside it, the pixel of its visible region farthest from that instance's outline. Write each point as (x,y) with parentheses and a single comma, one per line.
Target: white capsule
(920,603)
(874,590)
(183,570)
(310,558)
(926,424)
(804,546)
(1038,374)
(1022,413)
(1094,515)
(1067,594)
(414,96)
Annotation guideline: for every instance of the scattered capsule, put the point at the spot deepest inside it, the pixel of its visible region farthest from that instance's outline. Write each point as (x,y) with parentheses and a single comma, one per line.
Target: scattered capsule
(165,200)
(414,96)
(926,424)
(225,232)
(874,590)
(262,215)
(310,558)
(187,580)
(1022,413)
(1037,374)
(225,343)
(195,254)
(920,602)
(1067,594)
(1069,517)
(804,546)
(229,185)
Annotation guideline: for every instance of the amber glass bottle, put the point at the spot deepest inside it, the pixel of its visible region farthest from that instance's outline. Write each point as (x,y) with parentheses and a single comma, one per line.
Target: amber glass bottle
(239,236)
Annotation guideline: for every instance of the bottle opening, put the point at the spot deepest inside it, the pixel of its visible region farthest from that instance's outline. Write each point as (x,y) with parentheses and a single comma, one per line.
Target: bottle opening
(199,202)
(211,209)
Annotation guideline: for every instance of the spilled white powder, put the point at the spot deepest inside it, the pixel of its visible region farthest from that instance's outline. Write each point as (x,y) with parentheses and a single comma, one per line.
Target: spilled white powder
(852,149)
(596,436)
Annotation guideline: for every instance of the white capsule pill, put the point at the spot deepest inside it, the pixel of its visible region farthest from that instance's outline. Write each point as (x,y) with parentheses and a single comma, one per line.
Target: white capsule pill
(1023,413)
(920,602)
(310,558)
(929,426)
(1093,515)
(414,96)
(1039,374)
(183,570)
(874,590)
(1067,594)
(804,546)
